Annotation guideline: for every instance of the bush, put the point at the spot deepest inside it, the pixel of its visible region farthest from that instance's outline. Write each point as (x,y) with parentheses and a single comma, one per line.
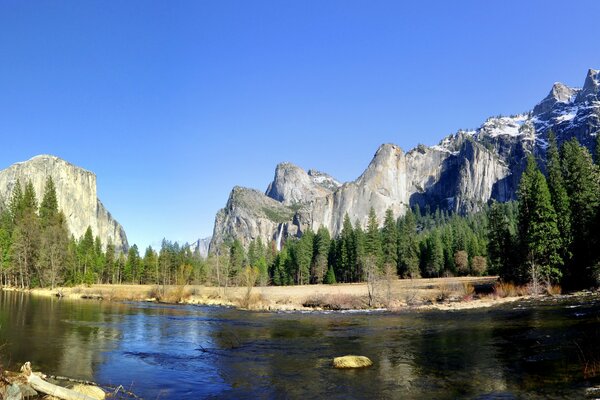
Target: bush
(478,266)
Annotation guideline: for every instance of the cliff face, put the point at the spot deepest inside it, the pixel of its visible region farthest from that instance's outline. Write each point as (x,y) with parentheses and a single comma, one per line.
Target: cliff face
(461,174)
(76,195)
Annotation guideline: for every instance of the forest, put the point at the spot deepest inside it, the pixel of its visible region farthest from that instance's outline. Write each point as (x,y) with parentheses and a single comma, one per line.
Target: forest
(547,236)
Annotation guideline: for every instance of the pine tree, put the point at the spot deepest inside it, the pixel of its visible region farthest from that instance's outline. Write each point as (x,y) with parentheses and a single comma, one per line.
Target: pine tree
(373,236)
(132,265)
(538,231)
(347,251)
(502,242)
(54,248)
(389,237)
(25,236)
(408,248)
(49,205)
(559,196)
(322,243)
(303,256)
(109,265)
(16,202)
(582,185)
(330,277)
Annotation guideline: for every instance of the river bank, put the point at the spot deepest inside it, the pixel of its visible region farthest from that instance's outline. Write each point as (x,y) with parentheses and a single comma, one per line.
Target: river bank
(394,295)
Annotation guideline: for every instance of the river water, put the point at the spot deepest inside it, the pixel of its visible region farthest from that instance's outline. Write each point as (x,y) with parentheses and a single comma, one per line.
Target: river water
(520,350)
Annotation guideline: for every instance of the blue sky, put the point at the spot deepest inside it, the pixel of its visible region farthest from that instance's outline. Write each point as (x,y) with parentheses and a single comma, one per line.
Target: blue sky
(172,103)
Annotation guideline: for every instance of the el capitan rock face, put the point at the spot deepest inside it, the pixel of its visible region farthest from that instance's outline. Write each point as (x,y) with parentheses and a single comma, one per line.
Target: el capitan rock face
(76,195)
(461,174)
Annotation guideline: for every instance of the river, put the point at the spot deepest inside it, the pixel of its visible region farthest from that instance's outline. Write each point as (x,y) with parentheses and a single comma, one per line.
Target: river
(528,349)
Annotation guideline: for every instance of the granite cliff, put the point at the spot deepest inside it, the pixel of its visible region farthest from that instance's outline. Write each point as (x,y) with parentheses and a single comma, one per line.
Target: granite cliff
(462,173)
(76,194)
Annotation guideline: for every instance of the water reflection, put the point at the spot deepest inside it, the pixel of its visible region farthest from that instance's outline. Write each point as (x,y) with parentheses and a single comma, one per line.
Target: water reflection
(197,352)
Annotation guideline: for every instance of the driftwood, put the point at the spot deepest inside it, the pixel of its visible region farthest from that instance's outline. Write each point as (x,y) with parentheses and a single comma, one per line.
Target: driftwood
(42,386)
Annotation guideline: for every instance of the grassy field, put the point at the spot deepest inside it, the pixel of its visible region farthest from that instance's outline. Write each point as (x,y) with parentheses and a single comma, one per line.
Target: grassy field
(393,294)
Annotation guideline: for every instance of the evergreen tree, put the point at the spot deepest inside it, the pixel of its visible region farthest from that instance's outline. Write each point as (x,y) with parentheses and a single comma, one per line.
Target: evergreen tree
(581,182)
(54,249)
(389,238)
(109,264)
(303,256)
(433,254)
(26,236)
(49,205)
(347,252)
(373,237)
(502,241)
(86,256)
(538,231)
(330,277)
(559,196)
(237,261)
(16,202)
(408,247)
(322,243)
(132,265)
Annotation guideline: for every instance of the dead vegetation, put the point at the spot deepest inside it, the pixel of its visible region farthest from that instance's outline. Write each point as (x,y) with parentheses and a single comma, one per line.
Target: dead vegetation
(382,290)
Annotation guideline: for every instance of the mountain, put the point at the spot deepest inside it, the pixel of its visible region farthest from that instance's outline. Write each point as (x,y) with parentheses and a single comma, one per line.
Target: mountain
(76,195)
(201,246)
(460,174)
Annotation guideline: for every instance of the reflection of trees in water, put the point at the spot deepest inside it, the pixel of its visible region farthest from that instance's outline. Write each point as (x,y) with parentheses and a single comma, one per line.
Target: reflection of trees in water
(538,347)
(53,334)
(454,355)
(290,356)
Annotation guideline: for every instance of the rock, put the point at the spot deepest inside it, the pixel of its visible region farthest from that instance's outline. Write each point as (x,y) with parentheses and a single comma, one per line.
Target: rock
(249,214)
(460,174)
(91,391)
(352,362)
(292,185)
(76,195)
(13,392)
(201,246)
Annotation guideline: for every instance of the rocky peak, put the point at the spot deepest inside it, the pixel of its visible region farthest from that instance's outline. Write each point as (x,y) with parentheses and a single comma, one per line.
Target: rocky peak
(591,87)
(386,160)
(293,185)
(462,173)
(560,93)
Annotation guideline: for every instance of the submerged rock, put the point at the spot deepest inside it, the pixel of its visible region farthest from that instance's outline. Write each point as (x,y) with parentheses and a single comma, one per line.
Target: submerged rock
(352,362)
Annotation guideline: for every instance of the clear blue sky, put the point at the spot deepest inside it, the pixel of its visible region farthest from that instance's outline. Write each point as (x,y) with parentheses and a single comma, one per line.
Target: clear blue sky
(172,103)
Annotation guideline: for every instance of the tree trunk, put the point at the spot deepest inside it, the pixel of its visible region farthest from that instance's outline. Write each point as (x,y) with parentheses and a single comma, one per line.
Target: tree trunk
(42,386)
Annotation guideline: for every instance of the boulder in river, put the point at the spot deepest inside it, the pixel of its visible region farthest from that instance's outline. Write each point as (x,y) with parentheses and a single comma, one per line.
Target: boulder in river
(352,362)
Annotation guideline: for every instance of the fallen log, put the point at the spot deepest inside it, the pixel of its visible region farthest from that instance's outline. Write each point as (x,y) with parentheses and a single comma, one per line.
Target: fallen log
(42,386)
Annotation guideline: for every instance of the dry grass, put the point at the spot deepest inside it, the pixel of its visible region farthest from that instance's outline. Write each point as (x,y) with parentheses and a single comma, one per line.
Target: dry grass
(553,290)
(339,301)
(395,294)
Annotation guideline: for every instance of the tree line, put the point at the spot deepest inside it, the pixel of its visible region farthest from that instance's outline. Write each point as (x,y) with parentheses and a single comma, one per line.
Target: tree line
(37,249)
(547,236)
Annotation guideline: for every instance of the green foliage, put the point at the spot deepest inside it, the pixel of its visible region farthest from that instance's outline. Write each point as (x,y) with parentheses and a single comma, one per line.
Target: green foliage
(330,277)
(538,231)
(389,240)
(560,198)
(582,185)
(278,215)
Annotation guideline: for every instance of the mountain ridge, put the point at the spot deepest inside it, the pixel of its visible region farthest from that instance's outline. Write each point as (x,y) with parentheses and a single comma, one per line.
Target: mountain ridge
(461,173)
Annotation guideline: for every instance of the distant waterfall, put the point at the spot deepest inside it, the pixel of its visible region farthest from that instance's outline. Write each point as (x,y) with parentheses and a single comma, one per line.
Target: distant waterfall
(279,235)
